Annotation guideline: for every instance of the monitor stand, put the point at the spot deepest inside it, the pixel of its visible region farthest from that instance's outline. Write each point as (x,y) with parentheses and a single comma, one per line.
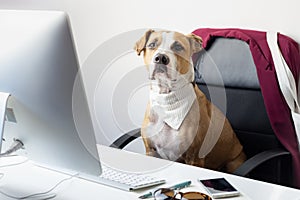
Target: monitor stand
(3,102)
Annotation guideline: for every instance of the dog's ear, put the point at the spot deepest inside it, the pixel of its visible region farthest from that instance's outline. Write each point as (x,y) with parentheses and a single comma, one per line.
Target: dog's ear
(141,43)
(196,42)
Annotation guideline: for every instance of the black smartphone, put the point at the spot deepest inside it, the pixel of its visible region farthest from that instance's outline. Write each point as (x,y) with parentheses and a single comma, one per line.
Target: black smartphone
(219,188)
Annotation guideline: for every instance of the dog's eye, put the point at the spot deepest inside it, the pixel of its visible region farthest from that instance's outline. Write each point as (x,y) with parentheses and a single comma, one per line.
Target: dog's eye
(177,47)
(152,45)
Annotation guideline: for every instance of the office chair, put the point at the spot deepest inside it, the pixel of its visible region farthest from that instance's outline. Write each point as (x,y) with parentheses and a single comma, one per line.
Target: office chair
(227,75)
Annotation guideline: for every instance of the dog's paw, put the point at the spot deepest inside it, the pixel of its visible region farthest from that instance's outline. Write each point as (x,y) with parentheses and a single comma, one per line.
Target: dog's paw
(153,154)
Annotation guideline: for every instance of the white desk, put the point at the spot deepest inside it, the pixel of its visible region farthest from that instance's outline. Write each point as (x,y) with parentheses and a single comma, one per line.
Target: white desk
(26,178)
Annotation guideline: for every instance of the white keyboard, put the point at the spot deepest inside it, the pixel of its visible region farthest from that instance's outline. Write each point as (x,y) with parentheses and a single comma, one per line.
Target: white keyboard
(127,181)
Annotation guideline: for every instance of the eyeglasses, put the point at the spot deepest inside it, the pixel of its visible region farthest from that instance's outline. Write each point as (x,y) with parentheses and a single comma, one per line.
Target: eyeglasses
(170,194)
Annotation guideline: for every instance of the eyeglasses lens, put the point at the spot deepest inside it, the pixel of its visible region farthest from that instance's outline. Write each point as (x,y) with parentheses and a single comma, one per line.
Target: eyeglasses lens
(195,196)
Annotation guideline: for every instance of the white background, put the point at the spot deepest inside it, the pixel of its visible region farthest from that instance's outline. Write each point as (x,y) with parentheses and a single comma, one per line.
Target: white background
(94,21)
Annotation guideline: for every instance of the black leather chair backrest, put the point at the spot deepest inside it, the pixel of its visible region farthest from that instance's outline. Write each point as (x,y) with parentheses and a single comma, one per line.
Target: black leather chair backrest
(226,73)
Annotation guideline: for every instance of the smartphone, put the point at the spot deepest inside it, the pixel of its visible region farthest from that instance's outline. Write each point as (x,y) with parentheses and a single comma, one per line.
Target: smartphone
(219,188)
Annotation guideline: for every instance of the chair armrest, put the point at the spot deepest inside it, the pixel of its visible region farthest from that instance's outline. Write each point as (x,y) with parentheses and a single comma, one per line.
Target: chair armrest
(259,159)
(125,139)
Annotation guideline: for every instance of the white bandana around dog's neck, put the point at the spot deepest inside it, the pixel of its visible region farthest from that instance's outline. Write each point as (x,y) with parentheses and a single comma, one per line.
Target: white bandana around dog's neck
(173,107)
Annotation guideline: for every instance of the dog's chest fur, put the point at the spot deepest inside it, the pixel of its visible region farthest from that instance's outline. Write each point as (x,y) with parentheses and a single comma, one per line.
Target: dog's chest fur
(165,120)
(163,138)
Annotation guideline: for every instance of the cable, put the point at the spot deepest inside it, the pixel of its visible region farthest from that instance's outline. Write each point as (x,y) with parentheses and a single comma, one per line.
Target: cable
(18,144)
(14,164)
(50,196)
(10,165)
(41,195)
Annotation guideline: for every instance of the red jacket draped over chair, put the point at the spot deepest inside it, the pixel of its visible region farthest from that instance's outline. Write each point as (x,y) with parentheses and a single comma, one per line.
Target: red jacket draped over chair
(276,106)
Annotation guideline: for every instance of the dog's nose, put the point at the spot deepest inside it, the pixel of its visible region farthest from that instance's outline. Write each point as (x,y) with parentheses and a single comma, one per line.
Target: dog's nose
(161,59)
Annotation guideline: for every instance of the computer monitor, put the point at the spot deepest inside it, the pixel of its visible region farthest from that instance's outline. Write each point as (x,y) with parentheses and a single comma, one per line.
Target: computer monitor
(47,107)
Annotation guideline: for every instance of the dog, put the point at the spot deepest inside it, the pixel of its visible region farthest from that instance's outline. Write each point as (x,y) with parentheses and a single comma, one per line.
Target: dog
(180,124)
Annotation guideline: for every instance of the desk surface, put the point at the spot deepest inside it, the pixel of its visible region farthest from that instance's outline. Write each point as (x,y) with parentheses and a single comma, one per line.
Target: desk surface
(26,178)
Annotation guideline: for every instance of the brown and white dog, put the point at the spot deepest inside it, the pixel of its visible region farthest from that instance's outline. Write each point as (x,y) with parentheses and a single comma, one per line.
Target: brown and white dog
(180,124)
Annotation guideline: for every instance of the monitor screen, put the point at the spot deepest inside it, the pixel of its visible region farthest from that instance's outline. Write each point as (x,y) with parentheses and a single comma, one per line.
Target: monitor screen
(47,107)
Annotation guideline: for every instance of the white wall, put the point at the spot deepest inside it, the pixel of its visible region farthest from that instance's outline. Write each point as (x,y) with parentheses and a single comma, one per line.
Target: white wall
(95,22)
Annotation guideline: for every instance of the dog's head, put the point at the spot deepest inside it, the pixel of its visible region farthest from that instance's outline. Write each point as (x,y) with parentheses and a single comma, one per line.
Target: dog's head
(167,56)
